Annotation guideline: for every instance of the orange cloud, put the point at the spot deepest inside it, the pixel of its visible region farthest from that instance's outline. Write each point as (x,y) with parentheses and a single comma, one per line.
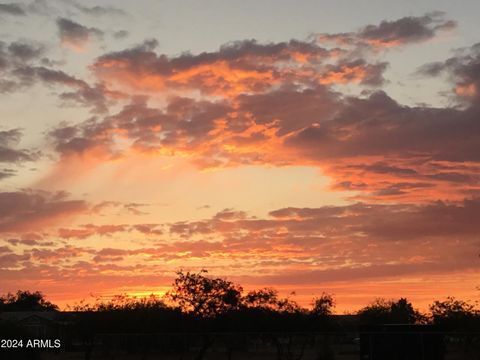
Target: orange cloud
(305,248)
(242,67)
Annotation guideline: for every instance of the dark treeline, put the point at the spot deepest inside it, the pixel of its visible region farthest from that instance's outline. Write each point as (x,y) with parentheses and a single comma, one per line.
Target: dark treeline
(204,315)
(198,302)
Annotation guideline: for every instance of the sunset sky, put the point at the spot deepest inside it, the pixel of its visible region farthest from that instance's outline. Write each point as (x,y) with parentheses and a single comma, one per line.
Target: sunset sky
(311,146)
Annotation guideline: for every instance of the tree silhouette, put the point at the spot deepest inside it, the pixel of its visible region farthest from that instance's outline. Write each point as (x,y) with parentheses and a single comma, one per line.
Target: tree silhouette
(266,298)
(454,314)
(26,301)
(202,296)
(323,306)
(383,311)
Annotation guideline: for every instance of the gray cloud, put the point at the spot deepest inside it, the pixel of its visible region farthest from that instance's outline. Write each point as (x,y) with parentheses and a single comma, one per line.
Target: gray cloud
(390,33)
(409,29)
(120,34)
(83,93)
(25,51)
(12,9)
(6,173)
(443,134)
(75,34)
(24,211)
(100,10)
(463,70)
(19,54)
(8,152)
